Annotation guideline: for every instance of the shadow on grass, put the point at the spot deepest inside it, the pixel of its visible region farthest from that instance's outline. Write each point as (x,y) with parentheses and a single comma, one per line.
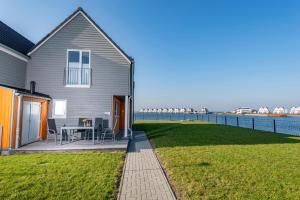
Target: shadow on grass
(197,134)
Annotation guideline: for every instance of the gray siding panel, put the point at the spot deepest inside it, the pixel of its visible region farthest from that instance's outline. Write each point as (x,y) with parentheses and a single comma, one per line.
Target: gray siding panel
(110,70)
(12,70)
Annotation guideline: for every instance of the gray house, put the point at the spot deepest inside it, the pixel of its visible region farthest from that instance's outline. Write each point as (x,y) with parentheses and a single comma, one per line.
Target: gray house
(83,70)
(13,56)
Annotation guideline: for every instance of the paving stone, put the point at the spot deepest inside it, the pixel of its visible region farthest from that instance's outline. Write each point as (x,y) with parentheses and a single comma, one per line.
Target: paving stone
(143,177)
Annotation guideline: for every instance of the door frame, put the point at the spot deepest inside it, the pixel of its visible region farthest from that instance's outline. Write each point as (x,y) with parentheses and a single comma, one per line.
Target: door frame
(117,100)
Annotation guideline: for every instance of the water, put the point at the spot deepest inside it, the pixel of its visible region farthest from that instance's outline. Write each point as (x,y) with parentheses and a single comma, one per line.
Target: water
(287,125)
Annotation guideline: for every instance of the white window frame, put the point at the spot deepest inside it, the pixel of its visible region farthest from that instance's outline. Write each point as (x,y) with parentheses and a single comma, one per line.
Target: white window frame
(80,62)
(54,116)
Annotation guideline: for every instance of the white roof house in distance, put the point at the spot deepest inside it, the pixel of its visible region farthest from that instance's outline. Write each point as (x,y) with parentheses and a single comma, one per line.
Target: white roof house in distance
(295,110)
(170,110)
(176,110)
(159,110)
(182,110)
(165,110)
(204,110)
(263,110)
(190,110)
(279,110)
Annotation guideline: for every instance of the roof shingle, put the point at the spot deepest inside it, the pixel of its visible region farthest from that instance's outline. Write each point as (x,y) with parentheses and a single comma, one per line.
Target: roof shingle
(14,40)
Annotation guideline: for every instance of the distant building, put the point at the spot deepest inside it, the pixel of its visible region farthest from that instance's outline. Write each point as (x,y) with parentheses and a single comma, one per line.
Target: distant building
(182,110)
(263,110)
(204,110)
(165,110)
(189,110)
(170,110)
(176,110)
(295,110)
(244,110)
(159,110)
(279,110)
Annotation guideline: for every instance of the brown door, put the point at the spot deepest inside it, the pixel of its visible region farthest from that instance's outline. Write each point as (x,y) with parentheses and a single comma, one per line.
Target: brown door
(118,114)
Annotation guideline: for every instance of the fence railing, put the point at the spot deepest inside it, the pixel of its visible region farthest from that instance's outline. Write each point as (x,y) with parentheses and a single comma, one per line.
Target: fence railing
(77,76)
(287,125)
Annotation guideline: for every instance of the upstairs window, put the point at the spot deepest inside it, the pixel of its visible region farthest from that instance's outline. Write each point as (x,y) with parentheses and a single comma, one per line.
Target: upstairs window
(78,70)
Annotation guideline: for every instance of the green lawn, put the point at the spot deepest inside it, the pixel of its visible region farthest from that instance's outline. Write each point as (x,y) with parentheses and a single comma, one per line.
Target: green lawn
(209,161)
(85,175)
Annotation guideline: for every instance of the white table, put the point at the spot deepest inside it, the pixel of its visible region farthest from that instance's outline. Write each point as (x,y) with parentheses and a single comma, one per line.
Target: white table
(69,128)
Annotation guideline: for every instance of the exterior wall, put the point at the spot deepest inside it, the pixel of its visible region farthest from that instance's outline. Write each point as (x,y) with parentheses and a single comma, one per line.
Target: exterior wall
(5,115)
(12,70)
(110,71)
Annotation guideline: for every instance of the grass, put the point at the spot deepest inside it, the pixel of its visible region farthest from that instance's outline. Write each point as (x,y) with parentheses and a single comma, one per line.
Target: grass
(84,175)
(209,161)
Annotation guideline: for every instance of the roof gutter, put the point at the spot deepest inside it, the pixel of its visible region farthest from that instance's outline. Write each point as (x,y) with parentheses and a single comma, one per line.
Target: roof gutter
(13,53)
(33,96)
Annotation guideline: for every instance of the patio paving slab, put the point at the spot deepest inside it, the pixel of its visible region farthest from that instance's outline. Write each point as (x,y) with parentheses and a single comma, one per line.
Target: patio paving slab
(73,146)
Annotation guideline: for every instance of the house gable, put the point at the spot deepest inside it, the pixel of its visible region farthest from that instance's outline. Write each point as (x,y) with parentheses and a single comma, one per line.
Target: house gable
(80,12)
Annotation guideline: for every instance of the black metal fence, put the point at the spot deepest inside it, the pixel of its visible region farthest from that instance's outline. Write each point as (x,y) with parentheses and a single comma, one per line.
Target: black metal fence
(287,125)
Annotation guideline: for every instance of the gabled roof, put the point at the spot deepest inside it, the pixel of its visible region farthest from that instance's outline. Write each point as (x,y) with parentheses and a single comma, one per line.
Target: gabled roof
(14,40)
(89,19)
(26,92)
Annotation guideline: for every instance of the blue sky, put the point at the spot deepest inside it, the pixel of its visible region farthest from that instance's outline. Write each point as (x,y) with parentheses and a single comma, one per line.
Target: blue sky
(220,54)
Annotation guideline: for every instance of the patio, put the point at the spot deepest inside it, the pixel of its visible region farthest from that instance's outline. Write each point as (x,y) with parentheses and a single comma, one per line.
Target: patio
(120,143)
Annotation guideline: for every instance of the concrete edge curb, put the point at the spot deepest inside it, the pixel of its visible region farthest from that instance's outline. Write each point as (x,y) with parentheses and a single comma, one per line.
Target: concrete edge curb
(123,171)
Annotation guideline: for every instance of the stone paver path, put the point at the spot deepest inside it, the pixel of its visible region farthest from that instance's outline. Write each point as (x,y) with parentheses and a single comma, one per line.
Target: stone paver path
(143,177)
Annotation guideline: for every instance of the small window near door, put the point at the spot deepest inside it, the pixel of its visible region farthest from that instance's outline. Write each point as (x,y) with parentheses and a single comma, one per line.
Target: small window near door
(59,109)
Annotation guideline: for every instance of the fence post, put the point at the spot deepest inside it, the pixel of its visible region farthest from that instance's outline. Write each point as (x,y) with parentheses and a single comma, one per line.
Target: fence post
(274,125)
(216,119)
(208,117)
(237,121)
(253,127)
(143,116)
(202,117)
(225,120)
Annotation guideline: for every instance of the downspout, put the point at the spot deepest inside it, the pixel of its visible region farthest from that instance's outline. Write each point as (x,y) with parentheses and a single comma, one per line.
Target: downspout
(130,127)
(20,97)
(12,119)
(133,87)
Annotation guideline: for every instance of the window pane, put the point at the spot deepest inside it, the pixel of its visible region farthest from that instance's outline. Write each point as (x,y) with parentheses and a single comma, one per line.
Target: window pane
(59,109)
(85,73)
(73,68)
(85,58)
(74,56)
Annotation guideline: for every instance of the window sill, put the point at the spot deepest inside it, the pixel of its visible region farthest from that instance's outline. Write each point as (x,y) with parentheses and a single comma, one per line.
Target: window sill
(59,116)
(78,86)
